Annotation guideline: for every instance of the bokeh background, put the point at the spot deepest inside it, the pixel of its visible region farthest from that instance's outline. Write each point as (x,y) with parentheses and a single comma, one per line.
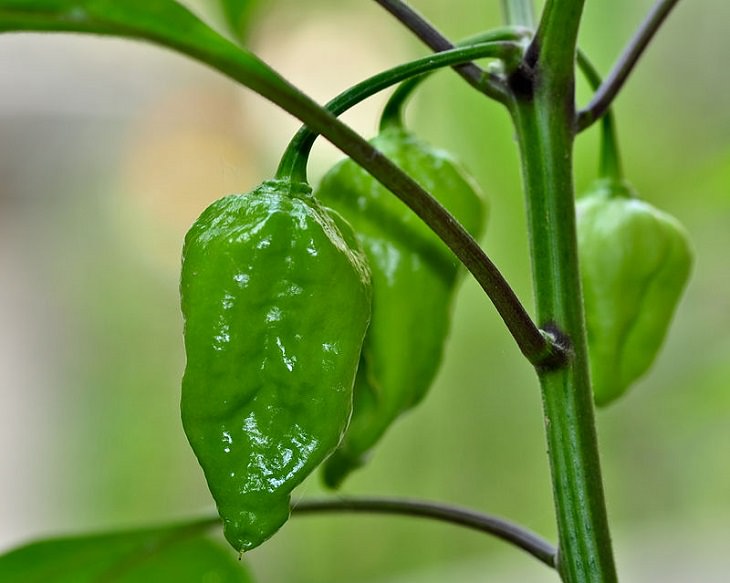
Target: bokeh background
(110,149)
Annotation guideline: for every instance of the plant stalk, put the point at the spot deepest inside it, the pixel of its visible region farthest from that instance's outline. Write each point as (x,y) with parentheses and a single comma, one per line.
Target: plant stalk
(507,531)
(544,114)
(610,158)
(293,164)
(615,80)
(481,80)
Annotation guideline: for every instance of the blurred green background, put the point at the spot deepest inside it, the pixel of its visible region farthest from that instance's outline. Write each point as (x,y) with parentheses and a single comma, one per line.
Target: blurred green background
(110,149)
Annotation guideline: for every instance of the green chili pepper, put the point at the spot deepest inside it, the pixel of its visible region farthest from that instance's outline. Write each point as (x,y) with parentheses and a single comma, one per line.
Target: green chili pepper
(276,304)
(414,280)
(635,261)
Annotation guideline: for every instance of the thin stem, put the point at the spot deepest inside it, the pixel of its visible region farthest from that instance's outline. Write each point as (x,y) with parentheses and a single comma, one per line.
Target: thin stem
(485,82)
(502,529)
(610,157)
(393,112)
(294,161)
(625,65)
(519,12)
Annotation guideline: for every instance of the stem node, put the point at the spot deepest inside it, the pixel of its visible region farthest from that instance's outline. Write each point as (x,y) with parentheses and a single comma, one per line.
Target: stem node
(522,82)
(559,350)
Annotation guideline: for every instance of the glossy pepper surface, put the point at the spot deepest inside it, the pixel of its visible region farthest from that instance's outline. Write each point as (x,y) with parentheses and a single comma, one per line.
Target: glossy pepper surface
(414,280)
(635,261)
(276,303)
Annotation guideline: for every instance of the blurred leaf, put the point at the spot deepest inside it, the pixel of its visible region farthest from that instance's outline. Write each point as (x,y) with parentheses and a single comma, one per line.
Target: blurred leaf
(237,14)
(182,554)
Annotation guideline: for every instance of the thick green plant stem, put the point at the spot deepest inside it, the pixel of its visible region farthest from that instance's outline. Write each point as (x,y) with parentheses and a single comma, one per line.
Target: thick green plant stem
(585,550)
(544,115)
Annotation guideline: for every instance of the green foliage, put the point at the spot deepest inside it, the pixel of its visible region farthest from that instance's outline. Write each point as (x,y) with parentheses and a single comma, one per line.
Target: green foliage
(182,554)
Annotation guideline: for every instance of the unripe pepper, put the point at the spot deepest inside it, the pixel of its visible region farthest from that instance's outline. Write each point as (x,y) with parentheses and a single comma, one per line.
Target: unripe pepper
(276,303)
(414,280)
(635,261)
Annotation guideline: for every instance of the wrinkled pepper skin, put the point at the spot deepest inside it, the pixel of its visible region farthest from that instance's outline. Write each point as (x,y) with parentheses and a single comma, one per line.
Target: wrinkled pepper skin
(414,281)
(635,262)
(276,305)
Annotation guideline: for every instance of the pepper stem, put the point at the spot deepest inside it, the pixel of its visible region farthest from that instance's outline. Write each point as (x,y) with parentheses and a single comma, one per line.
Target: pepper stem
(610,170)
(293,164)
(509,532)
(393,115)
